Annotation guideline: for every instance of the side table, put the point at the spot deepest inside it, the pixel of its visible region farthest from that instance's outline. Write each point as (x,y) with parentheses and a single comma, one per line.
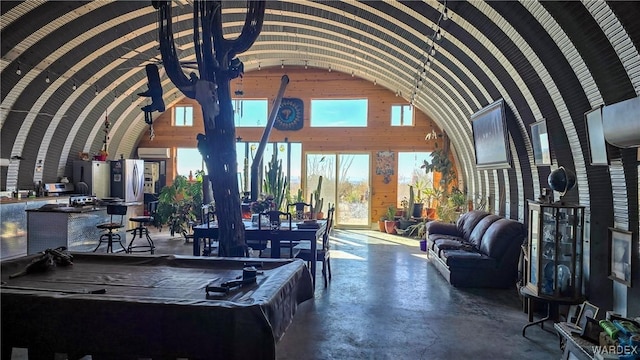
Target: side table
(573,345)
(552,307)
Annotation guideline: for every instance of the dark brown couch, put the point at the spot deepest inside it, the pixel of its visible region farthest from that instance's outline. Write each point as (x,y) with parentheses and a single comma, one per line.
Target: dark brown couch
(480,250)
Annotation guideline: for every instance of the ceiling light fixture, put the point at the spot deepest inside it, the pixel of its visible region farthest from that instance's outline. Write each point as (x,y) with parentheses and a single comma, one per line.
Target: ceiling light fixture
(96,90)
(438,35)
(259,67)
(47,80)
(433,50)
(329,68)
(18,71)
(445,14)
(353,74)
(282,64)
(306,64)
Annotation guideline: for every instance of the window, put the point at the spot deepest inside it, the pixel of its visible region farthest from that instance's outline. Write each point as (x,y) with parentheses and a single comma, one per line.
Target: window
(188,161)
(245,152)
(339,113)
(183,116)
(250,113)
(410,173)
(401,115)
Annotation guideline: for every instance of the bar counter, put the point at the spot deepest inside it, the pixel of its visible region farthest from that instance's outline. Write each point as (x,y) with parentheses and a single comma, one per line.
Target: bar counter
(13,235)
(72,227)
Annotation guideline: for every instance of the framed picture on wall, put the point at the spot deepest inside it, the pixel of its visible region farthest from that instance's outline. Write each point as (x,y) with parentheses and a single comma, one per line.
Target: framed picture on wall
(490,138)
(540,143)
(620,256)
(595,136)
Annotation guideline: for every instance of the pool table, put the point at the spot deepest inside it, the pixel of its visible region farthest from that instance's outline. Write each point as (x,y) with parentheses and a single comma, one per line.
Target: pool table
(152,306)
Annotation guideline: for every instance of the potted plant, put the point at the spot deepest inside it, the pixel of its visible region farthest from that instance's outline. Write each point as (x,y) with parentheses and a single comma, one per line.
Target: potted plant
(420,187)
(390,223)
(381,227)
(405,219)
(179,204)
(441,163)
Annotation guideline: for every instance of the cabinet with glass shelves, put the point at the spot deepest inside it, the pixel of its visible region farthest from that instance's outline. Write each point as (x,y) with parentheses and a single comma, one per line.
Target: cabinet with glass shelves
(554,250)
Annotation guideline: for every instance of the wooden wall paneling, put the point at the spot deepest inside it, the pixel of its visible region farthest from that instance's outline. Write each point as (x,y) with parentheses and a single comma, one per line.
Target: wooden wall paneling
(308,84)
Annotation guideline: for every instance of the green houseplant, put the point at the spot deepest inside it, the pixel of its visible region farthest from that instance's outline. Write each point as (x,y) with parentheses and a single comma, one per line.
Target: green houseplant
(390,222)
(180,203)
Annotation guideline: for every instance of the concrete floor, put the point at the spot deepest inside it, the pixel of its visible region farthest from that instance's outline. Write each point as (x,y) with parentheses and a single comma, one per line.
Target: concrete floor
(386,301)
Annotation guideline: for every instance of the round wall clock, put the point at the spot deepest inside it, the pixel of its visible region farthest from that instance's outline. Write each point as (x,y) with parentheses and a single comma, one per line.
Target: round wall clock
(289,115)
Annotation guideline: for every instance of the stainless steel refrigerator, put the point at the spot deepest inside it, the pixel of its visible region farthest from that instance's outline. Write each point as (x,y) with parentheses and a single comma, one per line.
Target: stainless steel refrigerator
(127,180)
(95,174)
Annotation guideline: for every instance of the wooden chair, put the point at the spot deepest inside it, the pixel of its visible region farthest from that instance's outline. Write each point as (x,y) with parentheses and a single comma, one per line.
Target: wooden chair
(275,218)
(300,209)
(322,253)
(208,216)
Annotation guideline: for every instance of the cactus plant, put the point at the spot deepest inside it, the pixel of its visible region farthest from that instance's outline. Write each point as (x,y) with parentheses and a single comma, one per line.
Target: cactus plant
(275,182)
(316,200)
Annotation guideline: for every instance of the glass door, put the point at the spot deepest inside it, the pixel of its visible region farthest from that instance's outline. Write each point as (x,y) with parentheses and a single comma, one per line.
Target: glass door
(345,182)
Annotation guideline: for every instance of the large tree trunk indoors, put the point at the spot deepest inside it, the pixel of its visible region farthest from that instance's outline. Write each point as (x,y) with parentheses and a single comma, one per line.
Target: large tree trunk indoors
(217,66)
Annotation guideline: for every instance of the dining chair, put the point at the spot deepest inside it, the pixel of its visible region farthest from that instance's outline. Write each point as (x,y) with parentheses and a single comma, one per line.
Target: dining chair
(300,209)
(208,216)
(322,253)
(275,218)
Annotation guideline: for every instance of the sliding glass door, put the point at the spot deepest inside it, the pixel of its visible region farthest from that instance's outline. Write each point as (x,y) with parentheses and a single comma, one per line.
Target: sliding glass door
(345,183)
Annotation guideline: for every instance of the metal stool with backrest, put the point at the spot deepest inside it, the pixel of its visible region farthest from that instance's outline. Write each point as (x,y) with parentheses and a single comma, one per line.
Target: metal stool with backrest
(322,254)
(109,237)
(142,230)
(275,218)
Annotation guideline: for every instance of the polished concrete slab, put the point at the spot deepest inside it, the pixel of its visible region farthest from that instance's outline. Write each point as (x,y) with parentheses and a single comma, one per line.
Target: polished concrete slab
(386,301)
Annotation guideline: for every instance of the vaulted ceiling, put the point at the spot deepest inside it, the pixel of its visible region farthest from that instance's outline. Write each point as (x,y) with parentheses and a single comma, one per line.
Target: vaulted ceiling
(65,64)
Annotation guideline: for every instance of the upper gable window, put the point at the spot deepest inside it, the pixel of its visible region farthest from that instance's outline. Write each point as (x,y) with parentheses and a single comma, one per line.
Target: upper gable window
(339,113)
(250,113)
(401,115)
(183,116)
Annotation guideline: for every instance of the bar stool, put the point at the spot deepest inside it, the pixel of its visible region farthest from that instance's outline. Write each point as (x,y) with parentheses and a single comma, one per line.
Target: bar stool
(142,230)
(110,237)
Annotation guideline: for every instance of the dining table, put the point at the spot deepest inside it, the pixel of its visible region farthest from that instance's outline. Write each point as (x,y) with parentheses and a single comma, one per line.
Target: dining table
(257,236)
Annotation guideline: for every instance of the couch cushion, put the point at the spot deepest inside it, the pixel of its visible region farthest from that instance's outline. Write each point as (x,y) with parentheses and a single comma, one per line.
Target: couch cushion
(436,237)
(462,258)
(478,232)
(468,221)
(502,236)
(441,227)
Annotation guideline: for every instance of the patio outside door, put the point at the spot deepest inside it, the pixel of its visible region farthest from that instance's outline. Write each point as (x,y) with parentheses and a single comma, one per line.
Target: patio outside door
(345,182)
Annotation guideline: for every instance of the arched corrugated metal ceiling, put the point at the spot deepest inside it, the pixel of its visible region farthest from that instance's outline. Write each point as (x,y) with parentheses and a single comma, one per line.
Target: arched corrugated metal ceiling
(552,60)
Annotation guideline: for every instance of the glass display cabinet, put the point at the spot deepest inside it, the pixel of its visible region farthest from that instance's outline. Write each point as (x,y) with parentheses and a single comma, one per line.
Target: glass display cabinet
(554,250)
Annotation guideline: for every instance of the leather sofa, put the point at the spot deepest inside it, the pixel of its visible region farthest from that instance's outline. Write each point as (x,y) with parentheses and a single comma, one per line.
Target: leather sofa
(480,250)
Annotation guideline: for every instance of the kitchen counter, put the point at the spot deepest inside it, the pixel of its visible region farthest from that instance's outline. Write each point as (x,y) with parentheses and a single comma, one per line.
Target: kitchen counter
(68,209)
(45,199)
(51,226)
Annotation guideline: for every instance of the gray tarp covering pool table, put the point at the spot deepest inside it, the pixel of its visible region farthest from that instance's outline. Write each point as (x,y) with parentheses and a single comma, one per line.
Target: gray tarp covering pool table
(154,306)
